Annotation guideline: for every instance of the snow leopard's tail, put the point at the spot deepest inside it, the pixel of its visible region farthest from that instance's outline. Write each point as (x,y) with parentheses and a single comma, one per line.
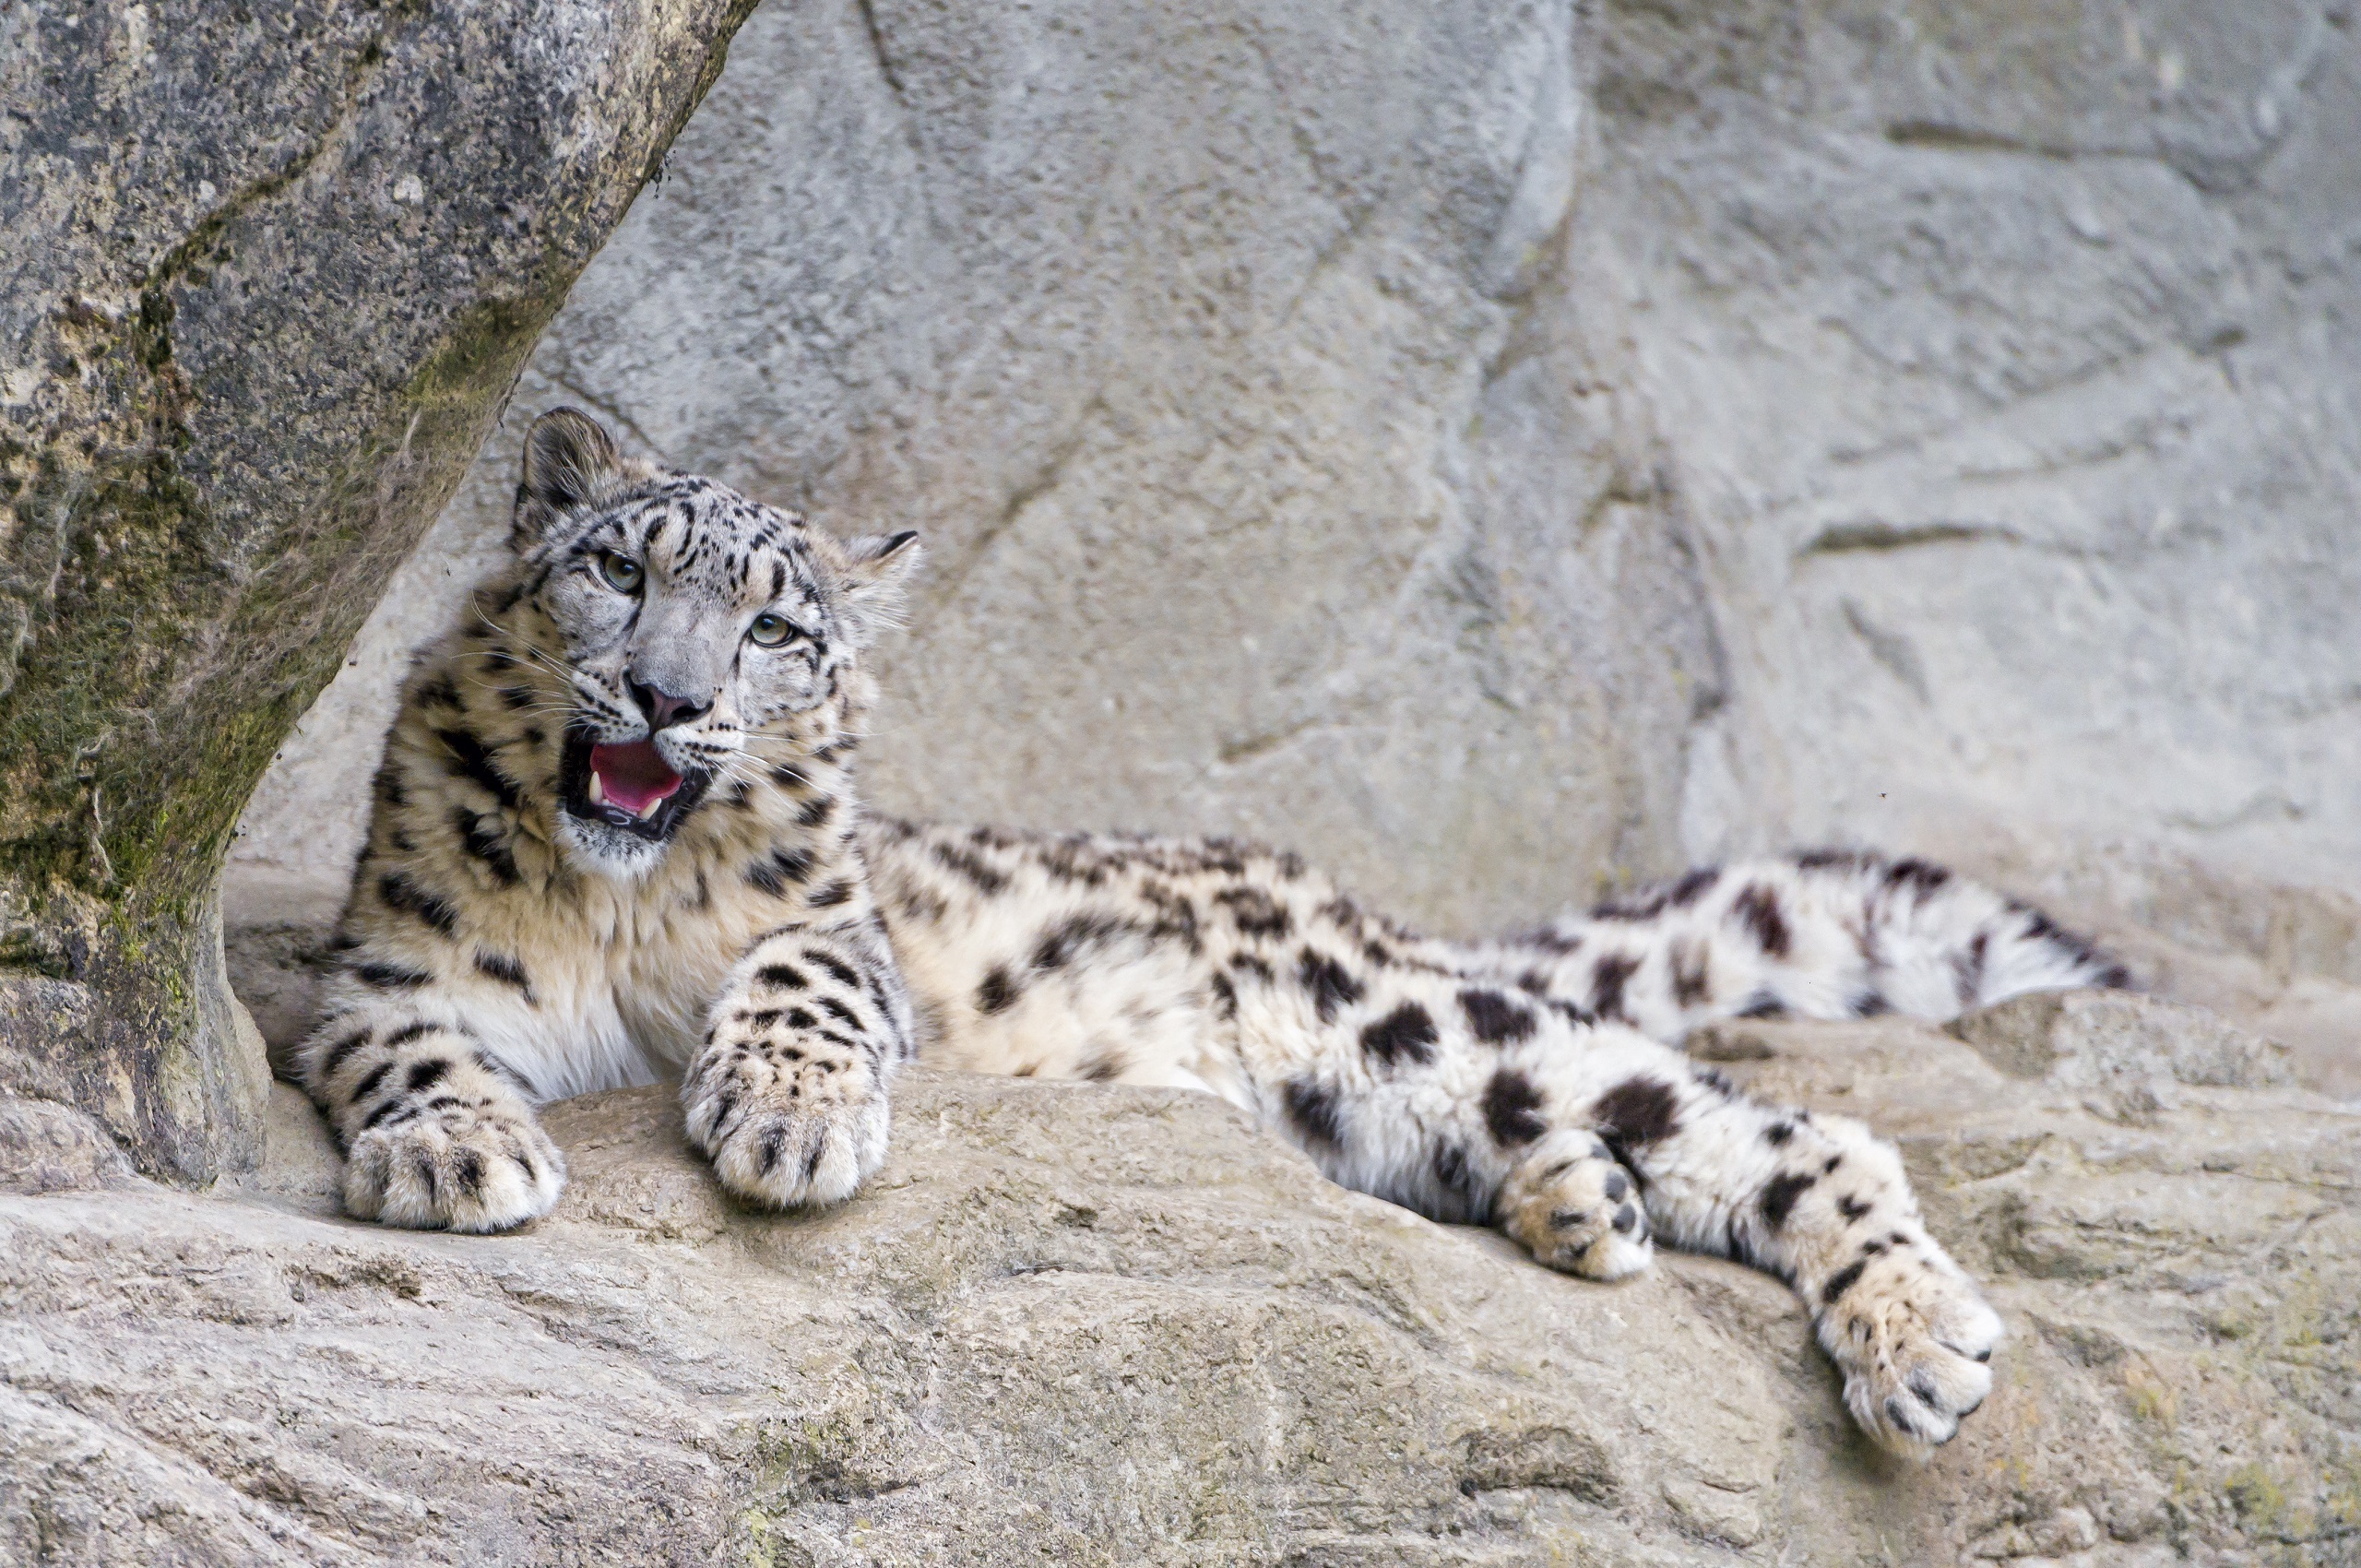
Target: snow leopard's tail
(1831,934)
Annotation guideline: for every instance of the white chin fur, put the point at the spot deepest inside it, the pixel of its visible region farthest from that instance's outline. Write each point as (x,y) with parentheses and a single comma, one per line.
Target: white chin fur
(610,852)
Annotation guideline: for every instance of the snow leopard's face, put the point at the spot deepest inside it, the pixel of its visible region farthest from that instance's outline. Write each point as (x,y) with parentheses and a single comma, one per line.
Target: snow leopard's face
(704,639)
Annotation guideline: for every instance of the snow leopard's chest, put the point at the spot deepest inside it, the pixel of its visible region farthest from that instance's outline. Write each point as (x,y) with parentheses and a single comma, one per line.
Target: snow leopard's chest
(624,975)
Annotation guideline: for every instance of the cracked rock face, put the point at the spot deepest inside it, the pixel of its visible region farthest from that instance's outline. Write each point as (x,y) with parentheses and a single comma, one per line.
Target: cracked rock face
(1109,1325)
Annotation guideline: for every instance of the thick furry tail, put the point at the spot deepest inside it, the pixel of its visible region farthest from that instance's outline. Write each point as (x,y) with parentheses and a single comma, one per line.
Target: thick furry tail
(1831,934)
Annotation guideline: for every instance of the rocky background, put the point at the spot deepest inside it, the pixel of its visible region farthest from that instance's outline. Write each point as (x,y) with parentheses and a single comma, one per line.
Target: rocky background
(1507,450)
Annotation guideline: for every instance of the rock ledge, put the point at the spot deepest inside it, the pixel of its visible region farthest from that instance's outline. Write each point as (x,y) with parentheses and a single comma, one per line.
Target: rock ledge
(1107,1325)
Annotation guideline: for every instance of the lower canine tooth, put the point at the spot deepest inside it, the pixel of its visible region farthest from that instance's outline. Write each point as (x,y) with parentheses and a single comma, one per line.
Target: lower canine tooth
(597,790)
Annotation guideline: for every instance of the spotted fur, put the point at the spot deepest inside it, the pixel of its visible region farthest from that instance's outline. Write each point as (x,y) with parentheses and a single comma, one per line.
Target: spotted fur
(510,941)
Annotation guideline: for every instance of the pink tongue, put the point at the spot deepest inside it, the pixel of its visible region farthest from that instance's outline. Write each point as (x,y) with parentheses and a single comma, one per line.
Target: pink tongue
(635,777)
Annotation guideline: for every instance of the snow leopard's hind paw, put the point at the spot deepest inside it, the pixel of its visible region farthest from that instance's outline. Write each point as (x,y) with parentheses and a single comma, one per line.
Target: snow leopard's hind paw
(1914,1340)
(1575,1208)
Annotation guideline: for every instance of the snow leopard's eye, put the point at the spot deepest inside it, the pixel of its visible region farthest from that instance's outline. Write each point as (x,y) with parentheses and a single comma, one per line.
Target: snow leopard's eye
(770,630)
(623,573)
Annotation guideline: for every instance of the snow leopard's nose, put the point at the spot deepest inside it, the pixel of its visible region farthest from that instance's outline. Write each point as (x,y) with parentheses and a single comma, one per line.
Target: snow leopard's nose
(661,706)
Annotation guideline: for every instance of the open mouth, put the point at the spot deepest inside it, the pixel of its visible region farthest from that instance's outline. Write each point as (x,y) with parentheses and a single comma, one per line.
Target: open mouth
(626,784)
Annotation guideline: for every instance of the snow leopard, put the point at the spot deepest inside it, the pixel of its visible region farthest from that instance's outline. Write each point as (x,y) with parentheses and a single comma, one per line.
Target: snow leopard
(615,839)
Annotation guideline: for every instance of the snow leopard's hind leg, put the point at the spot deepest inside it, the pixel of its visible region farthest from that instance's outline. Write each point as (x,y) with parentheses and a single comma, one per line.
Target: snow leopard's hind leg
(1817,1201)
(1587,1143)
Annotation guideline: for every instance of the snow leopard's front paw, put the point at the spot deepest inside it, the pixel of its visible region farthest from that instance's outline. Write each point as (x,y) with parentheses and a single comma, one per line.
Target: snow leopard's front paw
(479,1167)
(1914,1340)
(789,1132)
(1576,1209)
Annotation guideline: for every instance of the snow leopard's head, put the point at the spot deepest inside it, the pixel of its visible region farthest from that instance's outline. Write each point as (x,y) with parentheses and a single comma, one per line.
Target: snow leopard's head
(705,640)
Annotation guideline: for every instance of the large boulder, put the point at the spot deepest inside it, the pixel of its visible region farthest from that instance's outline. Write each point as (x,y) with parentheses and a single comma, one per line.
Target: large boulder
(1098,1324)
(1504,450)
(265,275)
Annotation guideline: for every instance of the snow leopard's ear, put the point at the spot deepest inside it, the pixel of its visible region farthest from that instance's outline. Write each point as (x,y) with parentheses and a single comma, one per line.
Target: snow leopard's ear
(571,465)
(874,573)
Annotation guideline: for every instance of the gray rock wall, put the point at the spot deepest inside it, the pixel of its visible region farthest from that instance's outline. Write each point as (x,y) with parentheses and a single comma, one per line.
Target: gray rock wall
(1504,453)
(2008,359)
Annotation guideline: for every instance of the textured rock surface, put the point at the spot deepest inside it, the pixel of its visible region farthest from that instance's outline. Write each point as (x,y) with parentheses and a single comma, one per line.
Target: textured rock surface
(1101,1325)
(2005,355)
(2009,350)
(265,277)
(1499,454)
